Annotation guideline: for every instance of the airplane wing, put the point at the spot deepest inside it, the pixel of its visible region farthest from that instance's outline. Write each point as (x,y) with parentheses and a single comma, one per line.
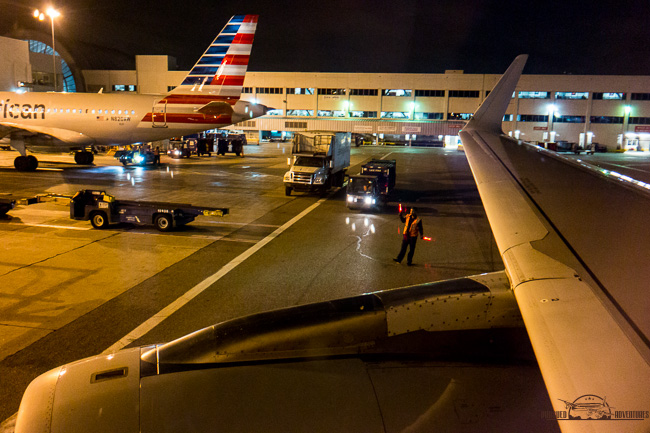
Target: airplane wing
(575,247)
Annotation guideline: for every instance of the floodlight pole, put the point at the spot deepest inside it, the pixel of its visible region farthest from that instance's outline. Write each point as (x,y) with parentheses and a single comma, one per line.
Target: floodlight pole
(53,53)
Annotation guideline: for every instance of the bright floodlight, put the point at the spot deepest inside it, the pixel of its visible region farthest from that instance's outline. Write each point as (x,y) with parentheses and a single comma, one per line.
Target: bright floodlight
(52,13)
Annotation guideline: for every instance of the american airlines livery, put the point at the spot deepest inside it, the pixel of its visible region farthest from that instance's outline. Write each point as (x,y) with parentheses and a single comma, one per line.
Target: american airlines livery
(208,98)
(448,356)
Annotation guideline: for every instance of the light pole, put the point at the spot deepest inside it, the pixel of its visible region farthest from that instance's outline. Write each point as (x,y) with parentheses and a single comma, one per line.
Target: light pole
(52,13)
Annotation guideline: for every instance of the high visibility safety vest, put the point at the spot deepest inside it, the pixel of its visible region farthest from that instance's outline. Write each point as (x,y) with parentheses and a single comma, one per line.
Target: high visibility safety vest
(412,230)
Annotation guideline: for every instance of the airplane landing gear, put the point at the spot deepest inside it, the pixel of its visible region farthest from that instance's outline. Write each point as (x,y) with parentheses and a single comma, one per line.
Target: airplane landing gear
(26,163)
(84,157)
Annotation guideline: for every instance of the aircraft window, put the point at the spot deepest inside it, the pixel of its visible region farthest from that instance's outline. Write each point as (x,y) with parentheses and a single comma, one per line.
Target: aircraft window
(112,111)
(132,111)
(119,111)
(48,110)
(93,111)
(67,111)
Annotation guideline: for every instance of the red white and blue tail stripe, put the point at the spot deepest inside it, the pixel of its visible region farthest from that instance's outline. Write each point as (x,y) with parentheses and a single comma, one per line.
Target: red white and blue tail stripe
(221,69)
(209,94)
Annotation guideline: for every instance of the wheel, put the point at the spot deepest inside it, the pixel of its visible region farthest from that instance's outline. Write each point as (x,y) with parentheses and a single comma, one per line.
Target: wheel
(84,158)
(287,190)
(32,162)
(99,220)
(163,223)
(22,163)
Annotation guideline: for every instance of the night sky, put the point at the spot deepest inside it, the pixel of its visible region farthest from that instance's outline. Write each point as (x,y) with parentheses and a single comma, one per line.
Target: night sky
(595,37)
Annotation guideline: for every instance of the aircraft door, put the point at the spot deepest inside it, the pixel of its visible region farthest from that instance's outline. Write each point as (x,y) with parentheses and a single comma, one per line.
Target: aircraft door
(159,115)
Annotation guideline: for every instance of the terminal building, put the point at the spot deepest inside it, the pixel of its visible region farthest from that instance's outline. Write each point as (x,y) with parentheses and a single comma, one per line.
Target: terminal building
(590,111)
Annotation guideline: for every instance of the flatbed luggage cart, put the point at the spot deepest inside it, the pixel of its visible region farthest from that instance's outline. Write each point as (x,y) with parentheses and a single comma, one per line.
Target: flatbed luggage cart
(103,209)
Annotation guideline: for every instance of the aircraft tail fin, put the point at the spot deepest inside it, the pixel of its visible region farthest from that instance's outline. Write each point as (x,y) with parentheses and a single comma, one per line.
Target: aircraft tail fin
(219,73)
(489,115)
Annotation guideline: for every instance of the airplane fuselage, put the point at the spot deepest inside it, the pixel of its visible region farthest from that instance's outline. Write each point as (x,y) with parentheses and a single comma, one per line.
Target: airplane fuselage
(85,119)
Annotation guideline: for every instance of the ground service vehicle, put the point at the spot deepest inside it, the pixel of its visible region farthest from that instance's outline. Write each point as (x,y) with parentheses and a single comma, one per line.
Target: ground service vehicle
(318,161)
(6,205)
(370,188)
(135,157)
(179,149)
(103,209)
(232,143)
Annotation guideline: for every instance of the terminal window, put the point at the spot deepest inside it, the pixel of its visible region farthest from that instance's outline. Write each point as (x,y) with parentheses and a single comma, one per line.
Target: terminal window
(397,92)
(300,90)
(606,119)
(364,92)
(534,95)
(331,91)
(268,90)
(610,95)
(429,116)
(571,95)
(464,94)
(331,113)
(430,93)
(124,88)
(275,112)
(247,90)
(395,114)
(364,114)
(300,113)
(569,119)
(639,120)
(532,118)
(507,118)
(640,96)
(459,116)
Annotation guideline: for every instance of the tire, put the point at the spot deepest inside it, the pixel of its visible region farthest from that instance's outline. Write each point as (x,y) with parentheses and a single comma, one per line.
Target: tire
(163,223)
(84,158)
(287,190)
(99,220)
(32,162)
(22,163)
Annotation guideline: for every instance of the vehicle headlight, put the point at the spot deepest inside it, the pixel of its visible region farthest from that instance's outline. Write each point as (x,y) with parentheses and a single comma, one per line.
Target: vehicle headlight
(367,200)
(350,198)
(319,178)
(288,176)
(138,159)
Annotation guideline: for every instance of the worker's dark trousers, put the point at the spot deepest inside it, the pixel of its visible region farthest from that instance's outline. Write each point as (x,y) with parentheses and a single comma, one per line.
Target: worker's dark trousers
(408,241)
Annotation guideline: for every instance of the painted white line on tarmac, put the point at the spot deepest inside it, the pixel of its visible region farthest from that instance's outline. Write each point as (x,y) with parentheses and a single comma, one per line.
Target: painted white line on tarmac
(180,302)
(51,226)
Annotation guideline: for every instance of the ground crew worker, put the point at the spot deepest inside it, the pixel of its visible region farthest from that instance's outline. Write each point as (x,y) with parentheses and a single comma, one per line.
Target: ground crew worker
(412,229)
(156,155)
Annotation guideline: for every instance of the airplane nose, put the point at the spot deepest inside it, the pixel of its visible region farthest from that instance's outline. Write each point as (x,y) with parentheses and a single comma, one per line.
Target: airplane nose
(35,413)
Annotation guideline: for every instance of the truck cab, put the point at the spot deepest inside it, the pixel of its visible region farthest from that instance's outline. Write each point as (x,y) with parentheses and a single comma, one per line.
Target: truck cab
(318,162)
